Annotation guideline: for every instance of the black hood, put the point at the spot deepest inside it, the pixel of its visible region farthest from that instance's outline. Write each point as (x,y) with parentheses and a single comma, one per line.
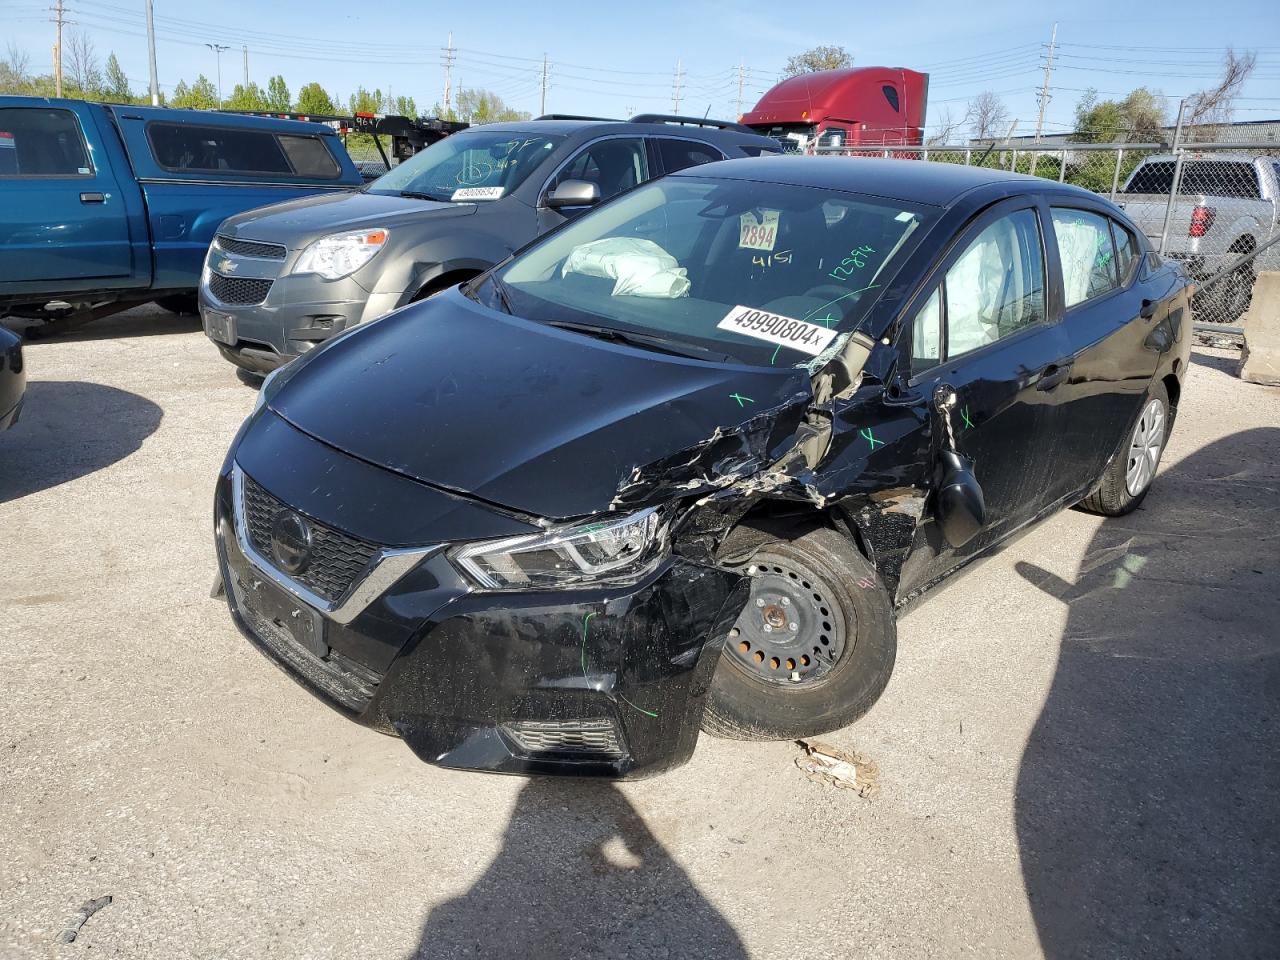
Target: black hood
(295,223)
(533,418)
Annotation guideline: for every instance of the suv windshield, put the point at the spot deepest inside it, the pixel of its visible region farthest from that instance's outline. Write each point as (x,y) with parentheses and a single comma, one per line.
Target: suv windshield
(474,165)
(762,272)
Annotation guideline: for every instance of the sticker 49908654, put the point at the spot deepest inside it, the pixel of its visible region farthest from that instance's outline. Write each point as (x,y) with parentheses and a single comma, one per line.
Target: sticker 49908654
(775,328)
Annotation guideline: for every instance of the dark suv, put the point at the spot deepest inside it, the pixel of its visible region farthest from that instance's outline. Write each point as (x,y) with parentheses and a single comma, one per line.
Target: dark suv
(281,279)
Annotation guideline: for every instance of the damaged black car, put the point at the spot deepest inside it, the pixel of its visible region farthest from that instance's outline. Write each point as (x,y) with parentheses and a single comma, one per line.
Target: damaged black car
(680,464)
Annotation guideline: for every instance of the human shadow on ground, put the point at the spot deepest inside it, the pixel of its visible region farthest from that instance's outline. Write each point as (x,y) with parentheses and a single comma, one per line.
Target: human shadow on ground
(579,875)
(1148,798)
(69,429)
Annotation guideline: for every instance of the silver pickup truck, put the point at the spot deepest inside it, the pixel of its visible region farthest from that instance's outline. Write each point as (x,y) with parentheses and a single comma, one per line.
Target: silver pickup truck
(1227,205)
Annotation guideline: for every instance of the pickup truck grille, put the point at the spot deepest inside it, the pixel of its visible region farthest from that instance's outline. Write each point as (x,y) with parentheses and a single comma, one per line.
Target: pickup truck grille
(251,248)
(238,290)
(337,559)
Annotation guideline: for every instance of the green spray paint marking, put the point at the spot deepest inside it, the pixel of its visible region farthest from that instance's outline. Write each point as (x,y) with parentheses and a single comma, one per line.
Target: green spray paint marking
(832,303)
(964,415)
(774,358)
(866,434)
(585,623)
(742,401)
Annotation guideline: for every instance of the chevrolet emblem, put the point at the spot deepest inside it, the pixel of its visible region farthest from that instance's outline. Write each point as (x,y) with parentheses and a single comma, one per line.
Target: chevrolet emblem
(227,266)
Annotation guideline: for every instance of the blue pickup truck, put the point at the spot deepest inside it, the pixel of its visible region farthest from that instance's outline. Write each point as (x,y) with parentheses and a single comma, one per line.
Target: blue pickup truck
(105,206)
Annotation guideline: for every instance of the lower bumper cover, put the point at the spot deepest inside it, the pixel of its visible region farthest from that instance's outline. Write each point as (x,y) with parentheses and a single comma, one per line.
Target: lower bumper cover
(601,682)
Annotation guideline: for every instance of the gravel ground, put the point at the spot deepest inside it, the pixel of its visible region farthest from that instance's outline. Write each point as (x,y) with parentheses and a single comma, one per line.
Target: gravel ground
(1077,753)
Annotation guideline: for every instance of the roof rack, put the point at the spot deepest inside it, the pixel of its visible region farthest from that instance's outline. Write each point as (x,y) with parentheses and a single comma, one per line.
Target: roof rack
(574,116)
(692,121)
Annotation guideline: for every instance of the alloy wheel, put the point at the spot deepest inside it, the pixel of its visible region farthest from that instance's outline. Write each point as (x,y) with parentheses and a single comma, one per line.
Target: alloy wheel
(1145,447)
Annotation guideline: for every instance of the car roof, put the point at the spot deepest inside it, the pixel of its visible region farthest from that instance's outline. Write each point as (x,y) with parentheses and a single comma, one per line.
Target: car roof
(589,127)
(923,181)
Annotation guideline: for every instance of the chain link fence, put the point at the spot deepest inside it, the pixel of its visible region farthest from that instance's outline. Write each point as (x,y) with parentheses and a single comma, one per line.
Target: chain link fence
(1213,207)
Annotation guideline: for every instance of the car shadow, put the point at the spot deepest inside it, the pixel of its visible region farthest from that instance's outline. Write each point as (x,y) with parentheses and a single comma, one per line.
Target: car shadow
(1228,364)
(147,320)
(1147,802)
(579,875)
(69,429)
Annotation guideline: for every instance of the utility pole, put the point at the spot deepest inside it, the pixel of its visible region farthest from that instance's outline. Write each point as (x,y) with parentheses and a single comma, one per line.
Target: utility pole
(151,56)
(675,90)
(61,20)
(246,65)
(741,71)
(217,48)
(1045,96)
(543,108)
(447,61)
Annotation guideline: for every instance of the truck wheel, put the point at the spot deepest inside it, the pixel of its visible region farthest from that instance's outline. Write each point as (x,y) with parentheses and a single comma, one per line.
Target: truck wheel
(1227,300)
(1128,477)
(180,303)
(814,648)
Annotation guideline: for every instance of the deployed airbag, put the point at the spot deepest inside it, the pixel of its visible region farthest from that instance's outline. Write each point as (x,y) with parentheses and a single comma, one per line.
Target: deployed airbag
(640,267)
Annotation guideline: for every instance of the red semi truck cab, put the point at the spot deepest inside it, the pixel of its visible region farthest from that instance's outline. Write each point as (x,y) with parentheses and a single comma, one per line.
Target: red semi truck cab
(860,106)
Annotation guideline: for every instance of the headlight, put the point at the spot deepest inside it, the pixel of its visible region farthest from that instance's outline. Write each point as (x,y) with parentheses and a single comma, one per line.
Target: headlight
(610,551)
(341,254)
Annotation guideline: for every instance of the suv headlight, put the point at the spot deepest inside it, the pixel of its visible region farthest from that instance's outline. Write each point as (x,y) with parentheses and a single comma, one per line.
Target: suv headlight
(341,254)
(609,551)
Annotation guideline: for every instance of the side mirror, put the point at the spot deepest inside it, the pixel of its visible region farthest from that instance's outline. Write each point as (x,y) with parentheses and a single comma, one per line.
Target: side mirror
(960,507)
(573,193)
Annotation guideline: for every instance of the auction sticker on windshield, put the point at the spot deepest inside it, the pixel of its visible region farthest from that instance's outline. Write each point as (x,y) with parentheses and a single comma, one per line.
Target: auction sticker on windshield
(775,328)
(477,193)
(756,234)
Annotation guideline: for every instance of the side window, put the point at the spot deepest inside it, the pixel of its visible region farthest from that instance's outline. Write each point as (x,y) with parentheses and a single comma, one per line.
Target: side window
(186,148)
(994,290)
(612,165)
(1126,250)
(1088,258)
(891,95)
(680,154)
(42,143)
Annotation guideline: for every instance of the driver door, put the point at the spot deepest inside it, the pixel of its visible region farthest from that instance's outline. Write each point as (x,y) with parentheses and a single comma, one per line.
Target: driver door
(613,164)
(981,326)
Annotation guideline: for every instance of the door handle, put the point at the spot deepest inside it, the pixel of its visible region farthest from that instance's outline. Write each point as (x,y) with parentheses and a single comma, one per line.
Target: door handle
(1052,375)
(93,198)
(1148,309)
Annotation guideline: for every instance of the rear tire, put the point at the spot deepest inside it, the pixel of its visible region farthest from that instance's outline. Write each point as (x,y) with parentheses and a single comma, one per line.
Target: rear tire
(827,670)
(1128,477)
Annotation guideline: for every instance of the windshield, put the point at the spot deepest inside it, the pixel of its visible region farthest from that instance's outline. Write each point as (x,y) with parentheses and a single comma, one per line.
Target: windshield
(470,166)
(764,273)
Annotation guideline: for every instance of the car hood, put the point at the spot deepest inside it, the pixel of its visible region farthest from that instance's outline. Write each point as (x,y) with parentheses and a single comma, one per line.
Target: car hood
(535,419)
(295,223)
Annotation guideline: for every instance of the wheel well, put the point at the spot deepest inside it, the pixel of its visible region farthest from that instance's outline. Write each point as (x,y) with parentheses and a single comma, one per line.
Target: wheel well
(769,519)
(1172,387)
(1243,245)
(443,282)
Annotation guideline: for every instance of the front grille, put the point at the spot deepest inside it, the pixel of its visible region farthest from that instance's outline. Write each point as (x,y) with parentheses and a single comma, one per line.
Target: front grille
(252,248)
(584,737)
(337,559)
(241,290)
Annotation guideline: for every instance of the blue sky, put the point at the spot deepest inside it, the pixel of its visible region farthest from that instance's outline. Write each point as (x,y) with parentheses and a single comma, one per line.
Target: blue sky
(607,61)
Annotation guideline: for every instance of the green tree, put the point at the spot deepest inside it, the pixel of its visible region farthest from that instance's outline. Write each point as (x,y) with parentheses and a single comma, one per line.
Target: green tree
(365,101)
(312,99)
(201,95)
(1139,117)
(819,58)
(481,106)
(116,85)
(405,106)
(247,98)
(278,98)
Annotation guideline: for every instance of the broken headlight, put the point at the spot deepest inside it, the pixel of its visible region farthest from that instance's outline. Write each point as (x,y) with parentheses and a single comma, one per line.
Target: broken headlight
(623,549)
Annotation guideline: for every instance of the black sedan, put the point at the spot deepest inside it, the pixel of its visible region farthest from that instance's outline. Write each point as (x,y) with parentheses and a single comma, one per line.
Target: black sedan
(680,464)
(13,378)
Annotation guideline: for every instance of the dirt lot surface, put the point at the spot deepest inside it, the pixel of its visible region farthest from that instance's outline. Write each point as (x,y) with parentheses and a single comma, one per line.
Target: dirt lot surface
(1077,754)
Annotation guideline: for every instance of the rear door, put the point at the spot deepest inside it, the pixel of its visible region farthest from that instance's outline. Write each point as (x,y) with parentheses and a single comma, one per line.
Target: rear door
(981,325)
(65,222)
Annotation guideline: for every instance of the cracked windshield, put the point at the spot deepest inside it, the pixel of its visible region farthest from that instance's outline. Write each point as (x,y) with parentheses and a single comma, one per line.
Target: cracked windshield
(764,273)
(480,165)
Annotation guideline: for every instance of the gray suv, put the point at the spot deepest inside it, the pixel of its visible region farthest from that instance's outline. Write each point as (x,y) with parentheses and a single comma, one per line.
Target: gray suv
(283,278)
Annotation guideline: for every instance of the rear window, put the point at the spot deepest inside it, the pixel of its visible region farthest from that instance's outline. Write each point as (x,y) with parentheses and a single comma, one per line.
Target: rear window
(190,148)
(42,143)
(1216,178)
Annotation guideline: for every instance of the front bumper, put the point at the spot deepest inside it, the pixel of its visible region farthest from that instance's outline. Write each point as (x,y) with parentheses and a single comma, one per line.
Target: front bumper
(605,682)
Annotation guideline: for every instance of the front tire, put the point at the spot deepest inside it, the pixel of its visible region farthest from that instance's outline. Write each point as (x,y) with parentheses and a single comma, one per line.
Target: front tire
(814,648)
(1129,476)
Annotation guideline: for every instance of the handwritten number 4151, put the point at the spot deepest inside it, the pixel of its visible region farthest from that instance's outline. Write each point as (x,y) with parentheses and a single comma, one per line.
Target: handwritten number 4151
(856,260)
